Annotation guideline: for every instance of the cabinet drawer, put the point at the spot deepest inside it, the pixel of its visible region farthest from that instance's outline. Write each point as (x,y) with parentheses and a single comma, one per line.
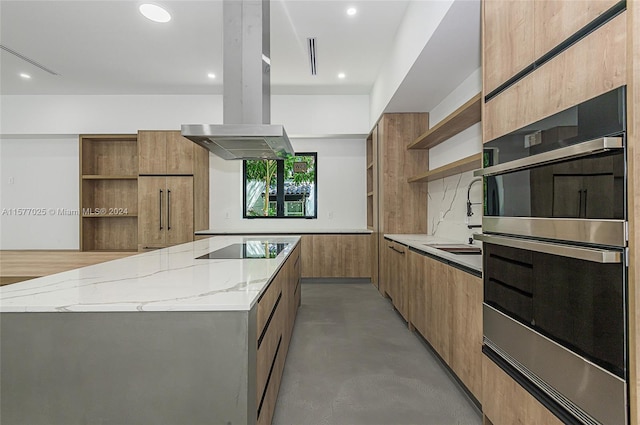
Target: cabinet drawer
(268,344)
(268,301)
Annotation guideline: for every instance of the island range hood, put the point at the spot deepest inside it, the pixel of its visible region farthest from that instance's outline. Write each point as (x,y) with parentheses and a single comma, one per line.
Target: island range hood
(246,132)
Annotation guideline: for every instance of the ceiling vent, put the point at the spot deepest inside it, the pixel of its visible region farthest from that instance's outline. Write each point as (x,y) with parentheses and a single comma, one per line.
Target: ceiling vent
(311,47)
(26,59)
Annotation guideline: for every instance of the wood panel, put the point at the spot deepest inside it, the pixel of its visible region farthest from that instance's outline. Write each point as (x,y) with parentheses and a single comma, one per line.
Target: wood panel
(507,403)
(440,308)
(272,334)
(180,153)
(557,20)
(466,353)
(508,40)
(110,194)
(416,285)
(200,188)
(336,255)
(179,209)
(373,258)
(151,211)
(152,152)
(43,263)
(561,83)
(109,155)
(462,165)
(633,145)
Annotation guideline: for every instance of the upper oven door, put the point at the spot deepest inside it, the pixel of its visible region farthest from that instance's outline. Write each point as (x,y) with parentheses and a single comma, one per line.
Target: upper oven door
(561,178)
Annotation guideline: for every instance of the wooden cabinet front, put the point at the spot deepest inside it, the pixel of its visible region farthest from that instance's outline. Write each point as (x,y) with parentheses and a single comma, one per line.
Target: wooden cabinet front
(165,211)
(336,255)
(396,276)
(165,152)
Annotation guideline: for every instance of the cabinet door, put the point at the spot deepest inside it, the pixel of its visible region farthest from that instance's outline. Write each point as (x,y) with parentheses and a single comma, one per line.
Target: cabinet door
(400,274)
(508,40)
(466,341)
(440,308)
(417,291)
(179,201)
(179,154)
(152,220)
(152,152)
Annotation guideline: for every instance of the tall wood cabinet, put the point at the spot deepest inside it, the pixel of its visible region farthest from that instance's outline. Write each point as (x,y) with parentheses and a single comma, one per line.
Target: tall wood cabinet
(141,191)
(173,183)
(397,206)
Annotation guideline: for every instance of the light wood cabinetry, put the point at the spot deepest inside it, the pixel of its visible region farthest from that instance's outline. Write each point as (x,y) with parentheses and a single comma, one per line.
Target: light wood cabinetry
(276,313)
(395,280)
(507,403)
(108,192)
(559,83)
(166,203)
(336,255)
(445,307)
(372,202)
(165,152)
(517,33)
(398,207)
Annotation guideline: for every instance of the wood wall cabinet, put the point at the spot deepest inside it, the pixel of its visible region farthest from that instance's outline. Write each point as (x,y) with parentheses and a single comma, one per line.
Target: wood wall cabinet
(519,32)
(108,192)
(336,255)
(173,192)
(166,203)
(165,152)
(399,207)
(276,313)
(560,83)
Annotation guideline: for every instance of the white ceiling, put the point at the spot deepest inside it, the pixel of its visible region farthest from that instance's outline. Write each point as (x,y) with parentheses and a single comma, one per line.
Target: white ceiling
(107,47)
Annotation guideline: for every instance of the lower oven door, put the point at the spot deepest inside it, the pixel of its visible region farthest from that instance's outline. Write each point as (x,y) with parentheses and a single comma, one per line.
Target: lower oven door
(557,314)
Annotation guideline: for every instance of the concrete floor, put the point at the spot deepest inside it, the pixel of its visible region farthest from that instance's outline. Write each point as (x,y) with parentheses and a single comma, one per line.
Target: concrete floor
(352,360)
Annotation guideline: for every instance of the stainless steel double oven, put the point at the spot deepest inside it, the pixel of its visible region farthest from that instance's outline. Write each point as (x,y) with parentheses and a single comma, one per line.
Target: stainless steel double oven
(555,259)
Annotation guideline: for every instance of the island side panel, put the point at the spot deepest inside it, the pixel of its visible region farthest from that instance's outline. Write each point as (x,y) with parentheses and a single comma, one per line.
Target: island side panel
(128,368)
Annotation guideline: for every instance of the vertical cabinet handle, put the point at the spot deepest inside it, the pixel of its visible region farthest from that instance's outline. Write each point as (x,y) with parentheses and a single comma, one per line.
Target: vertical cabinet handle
(168,209)
(160,209)
(585,203)
(579,203)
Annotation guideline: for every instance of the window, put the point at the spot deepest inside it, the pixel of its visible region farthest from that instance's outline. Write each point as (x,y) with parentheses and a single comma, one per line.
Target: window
(281,188)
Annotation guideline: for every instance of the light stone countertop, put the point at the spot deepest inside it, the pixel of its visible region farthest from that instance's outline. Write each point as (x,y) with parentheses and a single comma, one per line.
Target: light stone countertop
(418,241)
(292,231)
(169,279)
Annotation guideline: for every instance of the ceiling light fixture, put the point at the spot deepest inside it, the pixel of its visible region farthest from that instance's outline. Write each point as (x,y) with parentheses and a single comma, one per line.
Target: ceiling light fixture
(211,75)
(351,11)
(342,76)
(25,76)
(154,13)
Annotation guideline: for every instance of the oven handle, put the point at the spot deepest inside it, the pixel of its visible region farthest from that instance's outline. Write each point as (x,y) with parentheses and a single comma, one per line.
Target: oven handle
(581,253)
(590,147)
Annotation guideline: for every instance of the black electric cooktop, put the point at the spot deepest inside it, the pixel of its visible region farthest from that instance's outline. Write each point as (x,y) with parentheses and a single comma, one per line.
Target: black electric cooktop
(247,250)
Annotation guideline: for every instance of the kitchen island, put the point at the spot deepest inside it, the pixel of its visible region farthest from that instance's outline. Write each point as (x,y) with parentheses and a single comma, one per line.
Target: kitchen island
(157,338)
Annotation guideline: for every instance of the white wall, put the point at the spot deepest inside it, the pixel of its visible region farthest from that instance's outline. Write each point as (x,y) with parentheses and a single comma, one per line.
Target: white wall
(447,197)
(341,190)
(39,173)
(420,21)
(39,149)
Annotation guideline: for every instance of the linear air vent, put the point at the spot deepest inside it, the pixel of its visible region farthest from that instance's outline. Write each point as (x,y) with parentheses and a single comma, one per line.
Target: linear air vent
(311,45)
(26,59)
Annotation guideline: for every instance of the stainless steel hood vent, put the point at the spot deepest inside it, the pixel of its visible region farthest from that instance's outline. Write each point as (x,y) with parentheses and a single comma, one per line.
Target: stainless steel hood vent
(246,132)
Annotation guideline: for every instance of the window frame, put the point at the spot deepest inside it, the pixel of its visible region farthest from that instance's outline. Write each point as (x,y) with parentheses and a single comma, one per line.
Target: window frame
(280,178)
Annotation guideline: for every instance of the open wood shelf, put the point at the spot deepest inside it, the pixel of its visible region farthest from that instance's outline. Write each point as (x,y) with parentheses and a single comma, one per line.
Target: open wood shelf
(109,215)
(465,164)
(459,120)
(108,177)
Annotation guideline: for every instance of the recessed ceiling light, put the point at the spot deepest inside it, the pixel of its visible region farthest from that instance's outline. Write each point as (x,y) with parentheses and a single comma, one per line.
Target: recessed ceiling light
(341,75)
(351,11)
(25,76)
(211,75)
(155,13)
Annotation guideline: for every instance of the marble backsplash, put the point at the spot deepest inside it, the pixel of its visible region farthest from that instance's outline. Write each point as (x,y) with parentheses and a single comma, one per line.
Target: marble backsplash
(447,207)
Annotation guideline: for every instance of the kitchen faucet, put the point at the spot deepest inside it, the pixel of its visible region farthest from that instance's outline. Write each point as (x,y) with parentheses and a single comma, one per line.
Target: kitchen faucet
(469,203)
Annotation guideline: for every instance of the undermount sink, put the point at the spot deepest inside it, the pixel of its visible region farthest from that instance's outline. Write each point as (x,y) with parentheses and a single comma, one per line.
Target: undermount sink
(458,249)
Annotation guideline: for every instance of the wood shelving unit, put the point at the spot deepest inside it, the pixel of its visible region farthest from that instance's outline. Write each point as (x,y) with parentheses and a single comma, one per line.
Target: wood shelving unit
(465,164)
(109,179)
(461,119)
(371,181)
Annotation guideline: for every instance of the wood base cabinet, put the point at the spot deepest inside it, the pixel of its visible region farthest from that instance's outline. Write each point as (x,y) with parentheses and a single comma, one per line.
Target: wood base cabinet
(165,211)
(445,307)
(395,287)
(336,255)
